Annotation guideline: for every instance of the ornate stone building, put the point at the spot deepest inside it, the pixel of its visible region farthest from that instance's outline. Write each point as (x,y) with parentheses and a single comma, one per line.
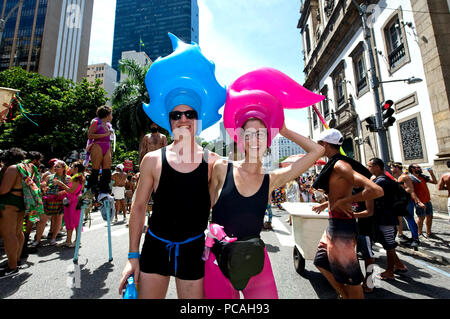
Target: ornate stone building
(409,39)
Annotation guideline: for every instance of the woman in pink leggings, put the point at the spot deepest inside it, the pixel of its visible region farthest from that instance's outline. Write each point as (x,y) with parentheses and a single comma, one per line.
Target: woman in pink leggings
(239,191)
(217,286)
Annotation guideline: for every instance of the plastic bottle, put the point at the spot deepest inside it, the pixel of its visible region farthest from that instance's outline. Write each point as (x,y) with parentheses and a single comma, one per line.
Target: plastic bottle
(131,290)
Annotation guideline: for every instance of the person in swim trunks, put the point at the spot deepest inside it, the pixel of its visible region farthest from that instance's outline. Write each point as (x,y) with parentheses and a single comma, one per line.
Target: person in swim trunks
(336,255)
(118,190)
(12,209)
(99,149)
(179,176)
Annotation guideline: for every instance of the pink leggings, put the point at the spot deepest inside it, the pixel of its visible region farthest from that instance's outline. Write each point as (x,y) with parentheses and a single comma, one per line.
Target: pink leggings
(217,286)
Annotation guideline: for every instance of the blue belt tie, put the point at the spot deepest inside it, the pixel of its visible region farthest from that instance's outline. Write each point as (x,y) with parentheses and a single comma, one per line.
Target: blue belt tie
(171,244)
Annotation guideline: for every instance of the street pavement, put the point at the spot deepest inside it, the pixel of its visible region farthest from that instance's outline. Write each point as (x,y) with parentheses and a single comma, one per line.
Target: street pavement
(51,273)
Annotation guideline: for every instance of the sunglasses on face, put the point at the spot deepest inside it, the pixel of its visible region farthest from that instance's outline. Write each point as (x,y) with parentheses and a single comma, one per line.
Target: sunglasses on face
(176,115)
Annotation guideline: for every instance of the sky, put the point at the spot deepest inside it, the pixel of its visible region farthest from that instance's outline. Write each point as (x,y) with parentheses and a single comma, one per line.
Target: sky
(237,35)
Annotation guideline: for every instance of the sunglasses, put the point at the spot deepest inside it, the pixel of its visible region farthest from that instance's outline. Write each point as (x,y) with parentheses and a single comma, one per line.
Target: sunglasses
(176,115)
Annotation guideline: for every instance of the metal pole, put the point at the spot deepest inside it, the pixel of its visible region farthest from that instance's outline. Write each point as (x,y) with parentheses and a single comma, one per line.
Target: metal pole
(80,227)
(108,220)
(381,132)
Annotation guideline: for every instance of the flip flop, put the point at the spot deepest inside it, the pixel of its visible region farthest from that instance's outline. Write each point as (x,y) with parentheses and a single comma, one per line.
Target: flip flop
(385,278)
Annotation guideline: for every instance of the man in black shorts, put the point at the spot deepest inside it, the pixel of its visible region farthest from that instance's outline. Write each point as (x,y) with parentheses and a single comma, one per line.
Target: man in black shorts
(179,176)
(336,255)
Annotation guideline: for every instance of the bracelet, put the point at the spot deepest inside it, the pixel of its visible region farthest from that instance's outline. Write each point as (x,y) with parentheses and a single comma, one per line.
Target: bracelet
(134,255)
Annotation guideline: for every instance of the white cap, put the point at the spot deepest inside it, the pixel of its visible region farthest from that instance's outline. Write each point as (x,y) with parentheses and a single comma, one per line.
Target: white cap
(331,136)
(120,166)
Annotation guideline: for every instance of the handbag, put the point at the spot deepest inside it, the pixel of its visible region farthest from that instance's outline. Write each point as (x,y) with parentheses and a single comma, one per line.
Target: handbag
(240,260)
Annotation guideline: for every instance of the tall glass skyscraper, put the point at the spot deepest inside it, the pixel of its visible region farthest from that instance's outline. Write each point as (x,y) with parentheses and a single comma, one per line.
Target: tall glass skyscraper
(50,37)
(143,26)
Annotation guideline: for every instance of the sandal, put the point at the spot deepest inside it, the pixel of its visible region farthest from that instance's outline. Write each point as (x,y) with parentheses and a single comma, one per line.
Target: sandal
(381,277)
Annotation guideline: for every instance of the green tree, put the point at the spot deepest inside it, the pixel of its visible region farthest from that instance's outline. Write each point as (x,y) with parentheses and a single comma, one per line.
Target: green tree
(62,110)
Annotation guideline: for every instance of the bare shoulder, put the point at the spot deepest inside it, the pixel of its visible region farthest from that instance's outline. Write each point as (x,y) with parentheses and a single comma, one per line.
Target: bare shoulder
(342,168)
(213,158)
(151,159)
(220,164)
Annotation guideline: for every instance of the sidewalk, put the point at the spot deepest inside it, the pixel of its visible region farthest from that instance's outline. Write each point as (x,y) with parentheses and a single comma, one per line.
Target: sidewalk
(435,249)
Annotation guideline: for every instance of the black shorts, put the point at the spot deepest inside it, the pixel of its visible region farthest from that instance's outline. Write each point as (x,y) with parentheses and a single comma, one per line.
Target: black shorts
(155,259)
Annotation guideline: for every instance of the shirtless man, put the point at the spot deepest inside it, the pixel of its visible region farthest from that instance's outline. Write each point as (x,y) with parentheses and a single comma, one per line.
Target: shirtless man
(444,184)
(152,142)
(405,180)
(336,255)
(120,179)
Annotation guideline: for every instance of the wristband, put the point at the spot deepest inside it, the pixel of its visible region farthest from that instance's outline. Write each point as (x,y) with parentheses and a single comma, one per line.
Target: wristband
(134,255)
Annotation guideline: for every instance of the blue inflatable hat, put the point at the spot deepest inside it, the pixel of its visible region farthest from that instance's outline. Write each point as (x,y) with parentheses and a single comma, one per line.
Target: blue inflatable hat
(187,77)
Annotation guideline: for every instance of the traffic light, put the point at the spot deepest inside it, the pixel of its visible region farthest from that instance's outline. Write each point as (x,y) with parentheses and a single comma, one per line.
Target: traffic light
(371,124)
(388,111)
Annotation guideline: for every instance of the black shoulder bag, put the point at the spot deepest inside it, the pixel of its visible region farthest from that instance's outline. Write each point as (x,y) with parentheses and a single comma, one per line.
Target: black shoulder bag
(240,260)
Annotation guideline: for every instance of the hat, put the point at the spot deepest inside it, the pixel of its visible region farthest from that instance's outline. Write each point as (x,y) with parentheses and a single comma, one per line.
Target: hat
(120,166)
(264,94)
(187,77)
(331,136)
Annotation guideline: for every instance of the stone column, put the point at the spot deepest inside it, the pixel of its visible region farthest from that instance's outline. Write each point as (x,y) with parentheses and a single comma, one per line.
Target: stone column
(432,25)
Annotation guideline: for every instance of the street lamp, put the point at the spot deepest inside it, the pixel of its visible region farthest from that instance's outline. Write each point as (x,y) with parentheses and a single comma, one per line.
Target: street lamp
(410,80)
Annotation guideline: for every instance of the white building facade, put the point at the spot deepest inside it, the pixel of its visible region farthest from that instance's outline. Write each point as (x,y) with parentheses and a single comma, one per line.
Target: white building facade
(337,65)
(140,58)
(107,76)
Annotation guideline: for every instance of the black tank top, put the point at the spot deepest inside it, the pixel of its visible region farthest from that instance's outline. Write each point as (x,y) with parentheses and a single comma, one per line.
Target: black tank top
(181,203)
(240,216)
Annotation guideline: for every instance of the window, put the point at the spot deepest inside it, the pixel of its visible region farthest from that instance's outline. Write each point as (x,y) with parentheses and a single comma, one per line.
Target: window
(307,39)
(315,119)
(395,42)
(338,78)
(325,105)
(361,74)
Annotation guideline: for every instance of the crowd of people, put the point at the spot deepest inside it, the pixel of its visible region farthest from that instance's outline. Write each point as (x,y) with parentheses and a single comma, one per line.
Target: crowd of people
(192,189)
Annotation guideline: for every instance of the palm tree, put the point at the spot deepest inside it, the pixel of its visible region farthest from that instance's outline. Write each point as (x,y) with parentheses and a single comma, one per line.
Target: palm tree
(128,97)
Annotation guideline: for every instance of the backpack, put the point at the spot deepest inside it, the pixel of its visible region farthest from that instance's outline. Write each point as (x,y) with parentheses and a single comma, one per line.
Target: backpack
(32,195)
(400,200)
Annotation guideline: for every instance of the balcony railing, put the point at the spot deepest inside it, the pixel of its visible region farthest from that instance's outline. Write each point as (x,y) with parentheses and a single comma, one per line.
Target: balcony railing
(396,55)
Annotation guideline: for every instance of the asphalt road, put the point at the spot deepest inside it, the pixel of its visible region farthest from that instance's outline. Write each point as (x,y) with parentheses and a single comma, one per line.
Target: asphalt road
(51,273)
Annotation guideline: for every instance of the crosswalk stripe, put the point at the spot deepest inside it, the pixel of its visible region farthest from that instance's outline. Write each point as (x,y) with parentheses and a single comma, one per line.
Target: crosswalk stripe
(283,234)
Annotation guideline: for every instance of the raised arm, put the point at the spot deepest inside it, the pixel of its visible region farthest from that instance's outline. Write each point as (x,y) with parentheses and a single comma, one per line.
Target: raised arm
(314,152)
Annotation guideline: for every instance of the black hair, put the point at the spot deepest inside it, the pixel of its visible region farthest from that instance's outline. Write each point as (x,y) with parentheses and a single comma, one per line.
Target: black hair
(378,162)
(410,168)
(103,111)
(448,164)
(33,155)
(14,156)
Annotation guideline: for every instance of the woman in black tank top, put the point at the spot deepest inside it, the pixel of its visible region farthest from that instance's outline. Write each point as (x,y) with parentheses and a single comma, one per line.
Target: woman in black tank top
(239,194)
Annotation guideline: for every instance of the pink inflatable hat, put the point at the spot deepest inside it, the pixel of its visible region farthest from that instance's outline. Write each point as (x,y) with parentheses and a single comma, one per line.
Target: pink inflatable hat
(263,94)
